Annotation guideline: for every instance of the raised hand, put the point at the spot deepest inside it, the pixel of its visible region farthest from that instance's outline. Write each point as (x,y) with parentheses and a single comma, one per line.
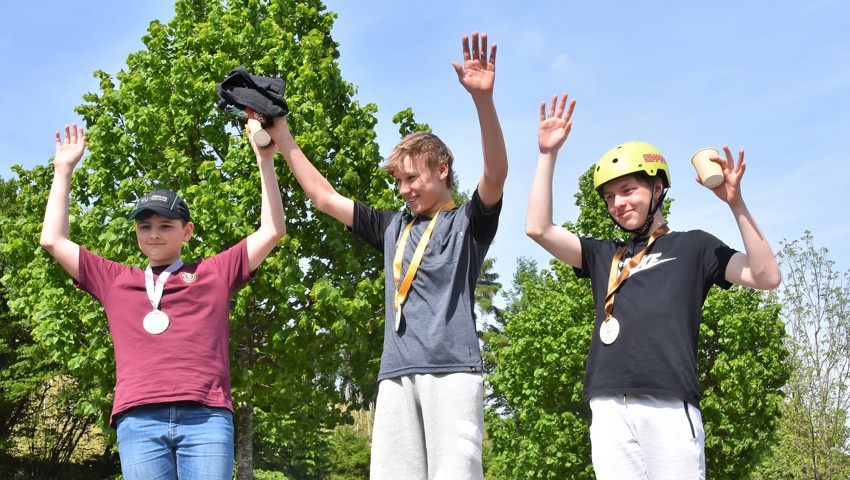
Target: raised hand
(263,154)
(730,190)
(478,73)
(278,127)
(555,128)
(70,151)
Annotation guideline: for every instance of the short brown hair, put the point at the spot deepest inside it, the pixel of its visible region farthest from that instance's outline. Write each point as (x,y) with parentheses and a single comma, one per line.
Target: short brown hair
(425,148)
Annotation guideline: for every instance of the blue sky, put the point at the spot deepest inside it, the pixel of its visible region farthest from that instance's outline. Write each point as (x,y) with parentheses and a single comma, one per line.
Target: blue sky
(773,78)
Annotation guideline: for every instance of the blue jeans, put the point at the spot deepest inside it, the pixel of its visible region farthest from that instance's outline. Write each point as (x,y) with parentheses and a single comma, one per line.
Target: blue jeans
(184,440)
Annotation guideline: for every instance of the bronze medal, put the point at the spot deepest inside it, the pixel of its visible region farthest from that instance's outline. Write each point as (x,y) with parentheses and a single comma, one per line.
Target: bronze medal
(609,330)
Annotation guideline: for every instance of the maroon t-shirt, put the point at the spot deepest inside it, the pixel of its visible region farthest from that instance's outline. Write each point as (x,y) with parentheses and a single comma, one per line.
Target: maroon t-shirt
(188,361)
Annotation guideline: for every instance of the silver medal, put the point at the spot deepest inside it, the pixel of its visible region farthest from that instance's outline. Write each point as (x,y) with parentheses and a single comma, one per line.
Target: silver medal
(609,330)
(156,322)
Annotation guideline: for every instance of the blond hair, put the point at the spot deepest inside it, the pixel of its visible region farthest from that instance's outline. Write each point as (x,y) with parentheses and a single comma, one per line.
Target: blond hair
(424,148)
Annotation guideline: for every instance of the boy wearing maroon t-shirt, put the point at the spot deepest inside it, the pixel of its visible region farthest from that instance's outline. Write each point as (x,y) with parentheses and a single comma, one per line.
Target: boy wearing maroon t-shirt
(169,322)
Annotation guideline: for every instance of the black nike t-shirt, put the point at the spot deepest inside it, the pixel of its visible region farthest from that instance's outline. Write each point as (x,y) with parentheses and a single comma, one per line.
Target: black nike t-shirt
(659,309)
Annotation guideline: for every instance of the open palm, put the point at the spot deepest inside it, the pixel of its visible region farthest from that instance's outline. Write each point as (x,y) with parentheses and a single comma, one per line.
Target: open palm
(555,128)
(70,151)
(478,73)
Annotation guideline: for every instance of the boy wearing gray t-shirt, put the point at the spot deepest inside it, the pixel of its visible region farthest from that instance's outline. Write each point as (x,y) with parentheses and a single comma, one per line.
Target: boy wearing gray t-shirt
(429,416)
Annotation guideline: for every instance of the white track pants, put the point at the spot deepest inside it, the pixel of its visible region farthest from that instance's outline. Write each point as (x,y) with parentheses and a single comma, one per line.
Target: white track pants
(645,437)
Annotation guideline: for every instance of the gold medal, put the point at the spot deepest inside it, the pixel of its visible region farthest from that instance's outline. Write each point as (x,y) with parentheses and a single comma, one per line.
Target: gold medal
(609,330)
(156,322)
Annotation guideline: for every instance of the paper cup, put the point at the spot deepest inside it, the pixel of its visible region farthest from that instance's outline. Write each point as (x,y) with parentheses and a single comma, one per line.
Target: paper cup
(710,173)
(260,136)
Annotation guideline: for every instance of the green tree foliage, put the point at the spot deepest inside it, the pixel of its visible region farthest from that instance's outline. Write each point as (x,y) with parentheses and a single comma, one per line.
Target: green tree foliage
(743,365)
(407,124)
(538,421)
(40,426)
(815,429)
(311,321)
(537,418)
(351,453)
(486,289)
(489,317)
(15,390)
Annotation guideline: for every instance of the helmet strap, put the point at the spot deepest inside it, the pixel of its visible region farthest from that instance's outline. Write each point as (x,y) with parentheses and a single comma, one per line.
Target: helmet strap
(650,217)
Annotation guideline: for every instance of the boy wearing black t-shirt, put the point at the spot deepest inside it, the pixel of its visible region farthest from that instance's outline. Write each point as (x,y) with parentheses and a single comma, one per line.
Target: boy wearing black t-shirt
(641,376)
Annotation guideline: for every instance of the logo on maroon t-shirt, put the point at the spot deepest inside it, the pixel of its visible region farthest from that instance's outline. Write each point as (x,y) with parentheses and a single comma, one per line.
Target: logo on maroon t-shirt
(188,278)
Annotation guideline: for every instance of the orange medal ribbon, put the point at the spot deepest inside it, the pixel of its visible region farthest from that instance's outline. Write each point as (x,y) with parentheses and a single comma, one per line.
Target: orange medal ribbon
(404,288)
(610,327)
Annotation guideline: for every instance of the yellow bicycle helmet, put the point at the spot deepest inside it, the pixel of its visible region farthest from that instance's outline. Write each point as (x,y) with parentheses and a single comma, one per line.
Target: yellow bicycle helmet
(628,158)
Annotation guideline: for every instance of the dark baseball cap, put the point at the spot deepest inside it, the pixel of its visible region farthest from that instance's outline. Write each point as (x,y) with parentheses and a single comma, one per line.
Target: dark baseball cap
(164,202)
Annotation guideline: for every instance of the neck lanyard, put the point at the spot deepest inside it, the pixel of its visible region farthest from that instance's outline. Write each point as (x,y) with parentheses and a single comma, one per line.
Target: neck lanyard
(404,288)
(610,327)
(155,290)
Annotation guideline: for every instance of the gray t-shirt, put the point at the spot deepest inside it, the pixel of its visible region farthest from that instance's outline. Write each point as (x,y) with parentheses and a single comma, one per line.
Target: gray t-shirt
(437,331)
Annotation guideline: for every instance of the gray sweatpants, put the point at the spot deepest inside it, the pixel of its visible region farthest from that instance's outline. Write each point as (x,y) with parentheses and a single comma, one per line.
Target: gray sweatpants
(429,427)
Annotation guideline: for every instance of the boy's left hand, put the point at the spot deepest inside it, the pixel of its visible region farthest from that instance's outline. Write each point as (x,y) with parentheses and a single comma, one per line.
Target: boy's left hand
(730,190)
(278,126)
(477,74)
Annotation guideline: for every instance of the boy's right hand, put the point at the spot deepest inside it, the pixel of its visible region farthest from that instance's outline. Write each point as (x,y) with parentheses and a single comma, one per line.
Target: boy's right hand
(265,153)
(554,129)
(69,152)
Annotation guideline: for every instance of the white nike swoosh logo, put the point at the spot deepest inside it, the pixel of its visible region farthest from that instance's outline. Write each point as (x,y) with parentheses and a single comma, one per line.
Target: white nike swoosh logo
(649,261)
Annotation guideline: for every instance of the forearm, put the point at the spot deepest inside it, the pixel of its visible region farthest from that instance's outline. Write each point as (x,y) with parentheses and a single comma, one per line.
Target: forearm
(271,209)
(314,184)
(562,244)
(54,232)
(538,217)
(56,223)
(493,147)
(761,262)
(272,222)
